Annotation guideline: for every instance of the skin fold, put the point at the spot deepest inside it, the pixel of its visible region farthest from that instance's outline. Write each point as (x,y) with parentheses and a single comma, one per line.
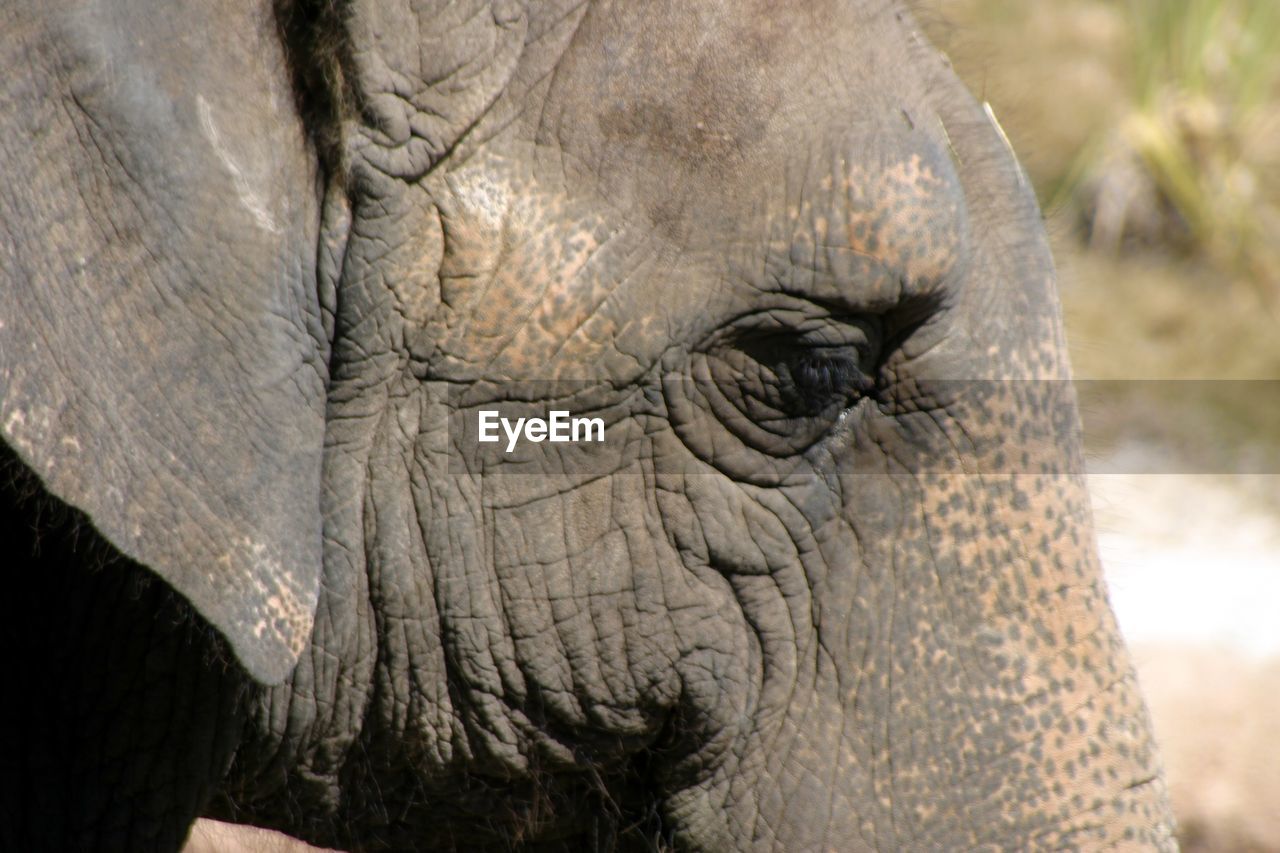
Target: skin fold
(829,583)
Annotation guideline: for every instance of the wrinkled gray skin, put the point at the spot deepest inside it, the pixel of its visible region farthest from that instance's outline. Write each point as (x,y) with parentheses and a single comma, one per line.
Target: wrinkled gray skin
(833,584)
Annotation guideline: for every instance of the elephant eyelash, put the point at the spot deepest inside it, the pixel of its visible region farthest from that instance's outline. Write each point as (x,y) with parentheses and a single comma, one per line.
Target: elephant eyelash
(807,373)
(822,377)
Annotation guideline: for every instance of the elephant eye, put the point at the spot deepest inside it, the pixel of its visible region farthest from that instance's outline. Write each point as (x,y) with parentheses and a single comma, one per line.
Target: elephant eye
(781,383)
(808,373)
(820,377)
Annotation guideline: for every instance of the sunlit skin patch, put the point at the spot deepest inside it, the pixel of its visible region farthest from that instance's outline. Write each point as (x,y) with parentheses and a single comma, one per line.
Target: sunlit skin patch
(522,277)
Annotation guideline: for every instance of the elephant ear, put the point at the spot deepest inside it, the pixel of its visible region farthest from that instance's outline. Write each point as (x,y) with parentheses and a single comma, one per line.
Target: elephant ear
(162,352)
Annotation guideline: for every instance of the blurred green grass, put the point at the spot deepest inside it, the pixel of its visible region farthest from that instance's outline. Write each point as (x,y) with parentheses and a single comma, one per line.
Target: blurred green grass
(1151,131)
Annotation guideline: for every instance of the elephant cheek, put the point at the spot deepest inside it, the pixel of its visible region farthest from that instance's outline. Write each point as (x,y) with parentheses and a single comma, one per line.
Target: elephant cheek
(964,684)
(955,676)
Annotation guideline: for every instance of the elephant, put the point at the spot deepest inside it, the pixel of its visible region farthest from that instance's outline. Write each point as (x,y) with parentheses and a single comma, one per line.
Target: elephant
(828,581)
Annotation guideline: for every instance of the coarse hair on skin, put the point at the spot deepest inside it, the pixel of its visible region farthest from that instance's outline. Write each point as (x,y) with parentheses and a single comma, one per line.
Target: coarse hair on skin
(30,513)
(38,530)
(317,52)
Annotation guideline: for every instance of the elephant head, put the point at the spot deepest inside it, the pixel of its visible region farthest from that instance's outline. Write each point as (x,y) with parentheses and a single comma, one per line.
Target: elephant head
(829,580)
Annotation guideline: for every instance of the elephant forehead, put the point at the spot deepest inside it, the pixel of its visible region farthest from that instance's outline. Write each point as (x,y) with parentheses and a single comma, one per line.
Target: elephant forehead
(536,278)
(806,133)
(698,83)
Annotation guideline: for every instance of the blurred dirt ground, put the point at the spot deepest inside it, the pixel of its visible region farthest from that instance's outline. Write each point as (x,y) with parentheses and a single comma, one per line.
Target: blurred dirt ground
(1191,565)
(1214,713)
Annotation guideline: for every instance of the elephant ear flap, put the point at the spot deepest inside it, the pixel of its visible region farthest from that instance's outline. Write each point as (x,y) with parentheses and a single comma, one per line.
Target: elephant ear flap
(162,352)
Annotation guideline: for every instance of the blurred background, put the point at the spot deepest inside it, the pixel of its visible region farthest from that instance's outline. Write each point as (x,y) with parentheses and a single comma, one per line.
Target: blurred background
(1151,131)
